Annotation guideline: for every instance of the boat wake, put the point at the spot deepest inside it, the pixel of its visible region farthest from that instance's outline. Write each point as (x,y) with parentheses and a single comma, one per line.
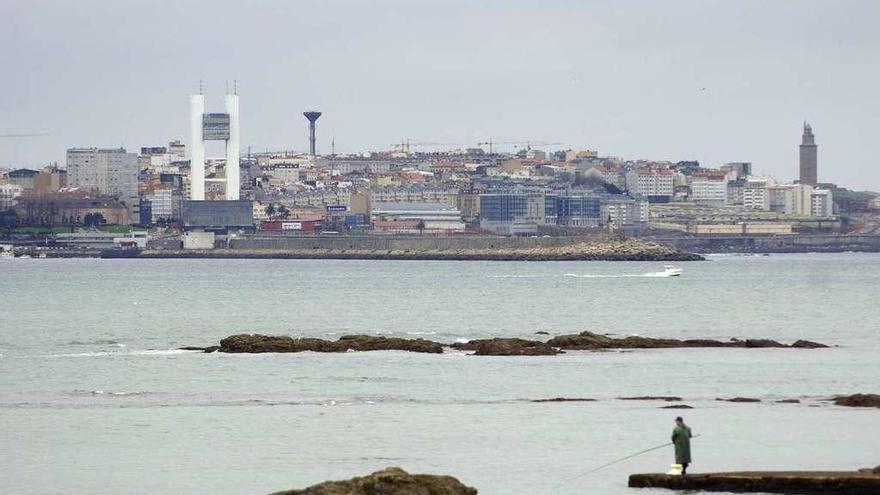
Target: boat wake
(663,274)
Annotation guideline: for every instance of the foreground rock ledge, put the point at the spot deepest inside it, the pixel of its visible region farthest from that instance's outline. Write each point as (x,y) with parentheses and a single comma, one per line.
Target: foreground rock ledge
(390,481)
(791,482)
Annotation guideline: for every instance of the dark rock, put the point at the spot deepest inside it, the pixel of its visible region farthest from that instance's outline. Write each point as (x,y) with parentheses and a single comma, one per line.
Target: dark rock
(564,399)
(507,347)
(583,340)
(389,481)
(808,344)
(209,349)
(244,343)
(677,406)
(542,333)
(594,341)
(789,401)
(763,343)
(739,399)
(789,482)
(858,400)
(667,398)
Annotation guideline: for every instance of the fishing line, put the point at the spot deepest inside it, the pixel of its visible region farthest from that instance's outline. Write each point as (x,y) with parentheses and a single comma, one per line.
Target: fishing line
(603,466)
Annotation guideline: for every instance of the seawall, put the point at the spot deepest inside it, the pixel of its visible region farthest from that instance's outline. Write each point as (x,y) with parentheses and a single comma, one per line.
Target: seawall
(803,243)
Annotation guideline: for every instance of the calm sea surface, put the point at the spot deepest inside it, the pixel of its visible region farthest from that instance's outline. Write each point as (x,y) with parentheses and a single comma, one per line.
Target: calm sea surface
(94,398)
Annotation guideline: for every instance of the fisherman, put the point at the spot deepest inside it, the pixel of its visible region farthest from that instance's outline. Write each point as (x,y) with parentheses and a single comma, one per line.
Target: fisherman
(681,438)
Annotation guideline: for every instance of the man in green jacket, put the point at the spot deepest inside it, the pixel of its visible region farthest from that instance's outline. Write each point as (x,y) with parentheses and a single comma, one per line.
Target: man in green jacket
(681,438)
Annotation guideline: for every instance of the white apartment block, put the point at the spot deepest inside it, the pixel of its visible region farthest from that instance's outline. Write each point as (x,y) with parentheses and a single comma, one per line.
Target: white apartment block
(821,203)
(790,199)
(709,189)
(8,195)
(650,181)
(756,195)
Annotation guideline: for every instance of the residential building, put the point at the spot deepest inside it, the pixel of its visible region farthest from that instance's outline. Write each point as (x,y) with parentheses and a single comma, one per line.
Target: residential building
(821,203)
(735,191)
(8,195)
(708,188)
(623,213)
(50,180)
(162,204)
(654,183)
(112,172)
(740,170)
(23,177)
(574,155)
(612,175)
(756,195)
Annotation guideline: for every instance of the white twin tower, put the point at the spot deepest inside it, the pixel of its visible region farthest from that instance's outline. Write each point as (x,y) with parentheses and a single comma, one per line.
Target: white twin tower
(214,127)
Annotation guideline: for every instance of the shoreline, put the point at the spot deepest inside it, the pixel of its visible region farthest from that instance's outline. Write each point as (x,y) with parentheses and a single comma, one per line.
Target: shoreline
(392,255)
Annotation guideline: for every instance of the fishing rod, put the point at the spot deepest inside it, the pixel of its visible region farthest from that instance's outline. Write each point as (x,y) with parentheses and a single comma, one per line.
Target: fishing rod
(603,466)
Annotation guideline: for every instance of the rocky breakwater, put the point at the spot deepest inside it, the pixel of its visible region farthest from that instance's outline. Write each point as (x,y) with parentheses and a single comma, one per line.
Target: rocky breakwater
(390,481)
(255,343)
(791,482)
(595,341)
(602,248)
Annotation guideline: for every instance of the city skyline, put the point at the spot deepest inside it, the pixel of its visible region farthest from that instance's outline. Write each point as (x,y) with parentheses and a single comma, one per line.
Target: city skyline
(633,80)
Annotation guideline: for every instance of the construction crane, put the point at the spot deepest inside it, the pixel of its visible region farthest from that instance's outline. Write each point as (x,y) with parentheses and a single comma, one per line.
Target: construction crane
(527,144)
(405,145)
(22,135)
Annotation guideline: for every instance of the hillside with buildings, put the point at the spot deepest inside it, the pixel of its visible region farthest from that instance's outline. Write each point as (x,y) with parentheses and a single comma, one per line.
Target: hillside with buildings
(182,198)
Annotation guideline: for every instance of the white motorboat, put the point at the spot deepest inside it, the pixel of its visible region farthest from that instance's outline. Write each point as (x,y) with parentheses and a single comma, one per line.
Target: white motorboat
(671,271)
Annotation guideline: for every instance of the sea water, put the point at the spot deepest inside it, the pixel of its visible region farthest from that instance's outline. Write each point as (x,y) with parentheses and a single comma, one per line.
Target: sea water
(96,398)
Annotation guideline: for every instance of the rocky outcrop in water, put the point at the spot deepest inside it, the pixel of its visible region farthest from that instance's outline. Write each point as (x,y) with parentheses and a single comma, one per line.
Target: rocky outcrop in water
(256,343)
(858,400)
(665,398)
(595,341)
(390,481)
(507,347)
(564,399)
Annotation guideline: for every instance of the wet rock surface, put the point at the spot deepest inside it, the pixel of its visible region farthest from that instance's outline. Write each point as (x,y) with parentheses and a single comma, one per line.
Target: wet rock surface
(789,482)
(666,398)
(594,341)
(389,481)
(507,347)
(858,400)
(564,399)
(255,343)
(739,399)
(502,346)
(677,406)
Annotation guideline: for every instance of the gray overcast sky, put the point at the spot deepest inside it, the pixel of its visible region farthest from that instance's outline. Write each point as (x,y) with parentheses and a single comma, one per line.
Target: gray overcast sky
(624,77)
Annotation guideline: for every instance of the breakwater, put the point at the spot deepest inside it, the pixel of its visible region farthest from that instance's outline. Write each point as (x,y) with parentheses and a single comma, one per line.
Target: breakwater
(800,243)
(457,248)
